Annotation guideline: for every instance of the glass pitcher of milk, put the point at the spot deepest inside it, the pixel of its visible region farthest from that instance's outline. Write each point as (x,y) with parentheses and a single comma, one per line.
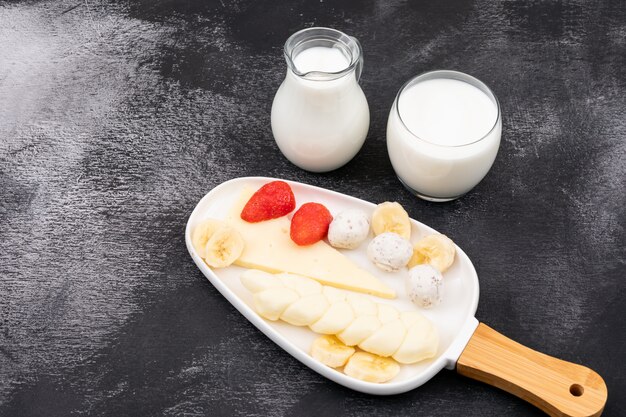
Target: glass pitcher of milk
(320,116)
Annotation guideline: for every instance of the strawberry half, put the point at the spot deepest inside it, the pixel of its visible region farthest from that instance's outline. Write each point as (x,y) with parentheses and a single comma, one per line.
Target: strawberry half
(274,199)
(310,224)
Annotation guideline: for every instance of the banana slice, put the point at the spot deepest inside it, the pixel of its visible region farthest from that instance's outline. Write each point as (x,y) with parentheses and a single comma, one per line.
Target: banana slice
(330,351)
(338,316)
(271,303)
(357,331)
(371,368)
(203,232)
(257,281)
(420,343)
(386,340)
(436,250)
(306,310)
(223,247)
(391,217)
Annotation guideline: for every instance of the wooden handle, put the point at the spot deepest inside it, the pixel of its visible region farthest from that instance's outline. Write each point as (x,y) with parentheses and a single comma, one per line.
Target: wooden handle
(557,387)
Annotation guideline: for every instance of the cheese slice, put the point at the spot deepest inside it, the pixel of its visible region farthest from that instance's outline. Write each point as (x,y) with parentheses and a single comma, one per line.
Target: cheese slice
(268,247)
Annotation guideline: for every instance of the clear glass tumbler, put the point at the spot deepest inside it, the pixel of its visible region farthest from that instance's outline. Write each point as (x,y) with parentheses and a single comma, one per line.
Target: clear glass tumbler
(443,137)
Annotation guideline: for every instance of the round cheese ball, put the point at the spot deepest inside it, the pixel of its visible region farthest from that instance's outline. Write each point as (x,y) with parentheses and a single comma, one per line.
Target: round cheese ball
(349,229)
(424,286)
(389,251)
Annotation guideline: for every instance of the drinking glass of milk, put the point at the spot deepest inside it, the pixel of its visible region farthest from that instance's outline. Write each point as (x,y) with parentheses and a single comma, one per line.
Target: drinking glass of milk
(320,116)
(443,134)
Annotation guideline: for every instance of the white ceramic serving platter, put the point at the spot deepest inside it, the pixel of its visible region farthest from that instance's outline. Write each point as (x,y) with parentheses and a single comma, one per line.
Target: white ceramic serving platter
(453,318)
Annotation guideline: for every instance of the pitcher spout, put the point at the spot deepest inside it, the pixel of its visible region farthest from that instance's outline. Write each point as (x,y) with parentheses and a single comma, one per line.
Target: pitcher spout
(342,54)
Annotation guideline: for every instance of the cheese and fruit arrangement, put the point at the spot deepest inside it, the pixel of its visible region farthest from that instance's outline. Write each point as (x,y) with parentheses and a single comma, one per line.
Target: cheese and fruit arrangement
(297,273)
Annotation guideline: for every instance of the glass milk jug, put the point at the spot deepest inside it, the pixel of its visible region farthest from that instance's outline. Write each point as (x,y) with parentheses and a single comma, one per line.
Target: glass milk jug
(320,116)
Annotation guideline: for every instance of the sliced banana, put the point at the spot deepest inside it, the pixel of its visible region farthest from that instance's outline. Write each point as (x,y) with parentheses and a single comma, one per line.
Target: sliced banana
(306,310)
(256,281)
(371,368)
(436,250)
(271,303)
(330,351)
(203,232)
(391,217)
(223,247)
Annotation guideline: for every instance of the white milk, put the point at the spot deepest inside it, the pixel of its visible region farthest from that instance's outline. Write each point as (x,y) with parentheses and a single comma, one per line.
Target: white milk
(320,124)
(446,136)
(320,58)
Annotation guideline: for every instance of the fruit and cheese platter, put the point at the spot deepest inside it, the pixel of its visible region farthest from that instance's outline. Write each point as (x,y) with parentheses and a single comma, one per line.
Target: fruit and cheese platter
(356,290)
(366,296)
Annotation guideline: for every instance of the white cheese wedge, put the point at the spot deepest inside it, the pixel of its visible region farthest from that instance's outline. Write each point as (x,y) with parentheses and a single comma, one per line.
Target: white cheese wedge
(268,247)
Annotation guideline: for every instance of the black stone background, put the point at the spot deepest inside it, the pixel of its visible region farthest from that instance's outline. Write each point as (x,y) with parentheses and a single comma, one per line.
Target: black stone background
(116,118)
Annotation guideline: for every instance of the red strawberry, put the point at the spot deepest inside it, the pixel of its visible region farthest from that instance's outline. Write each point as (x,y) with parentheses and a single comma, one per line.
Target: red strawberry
(275,199)
(310,224)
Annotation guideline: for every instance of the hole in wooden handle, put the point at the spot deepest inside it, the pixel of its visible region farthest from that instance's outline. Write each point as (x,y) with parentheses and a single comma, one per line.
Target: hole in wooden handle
(576,390)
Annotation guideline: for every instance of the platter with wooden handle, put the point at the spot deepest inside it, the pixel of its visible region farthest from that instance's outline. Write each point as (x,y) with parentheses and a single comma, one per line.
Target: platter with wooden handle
(473,349)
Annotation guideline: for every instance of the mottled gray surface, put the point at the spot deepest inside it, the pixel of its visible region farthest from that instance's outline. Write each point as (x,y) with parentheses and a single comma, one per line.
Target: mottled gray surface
(115,119)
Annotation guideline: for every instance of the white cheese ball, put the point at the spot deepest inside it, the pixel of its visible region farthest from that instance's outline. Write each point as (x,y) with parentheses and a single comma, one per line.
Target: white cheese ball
(349,229)
(389,251)
(424,286)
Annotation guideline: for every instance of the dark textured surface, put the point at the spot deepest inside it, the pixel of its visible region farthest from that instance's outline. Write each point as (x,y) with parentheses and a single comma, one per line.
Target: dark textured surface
(115,119)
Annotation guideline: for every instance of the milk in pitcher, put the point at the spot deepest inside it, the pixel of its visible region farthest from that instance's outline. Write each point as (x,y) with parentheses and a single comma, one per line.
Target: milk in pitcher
(320,116)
